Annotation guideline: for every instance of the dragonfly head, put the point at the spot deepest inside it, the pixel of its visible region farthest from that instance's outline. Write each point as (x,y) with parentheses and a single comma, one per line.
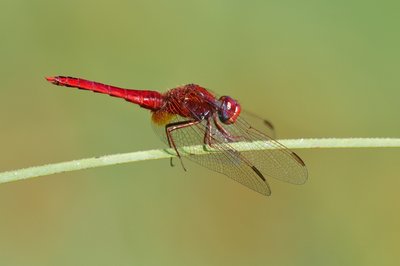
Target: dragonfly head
(229,110)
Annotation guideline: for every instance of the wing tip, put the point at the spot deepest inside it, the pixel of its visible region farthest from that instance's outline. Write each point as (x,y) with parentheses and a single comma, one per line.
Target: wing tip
(304,178)
(298,159)
(267,191)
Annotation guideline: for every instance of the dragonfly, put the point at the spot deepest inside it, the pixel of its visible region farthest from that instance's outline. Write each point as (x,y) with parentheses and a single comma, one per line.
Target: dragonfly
(190,115)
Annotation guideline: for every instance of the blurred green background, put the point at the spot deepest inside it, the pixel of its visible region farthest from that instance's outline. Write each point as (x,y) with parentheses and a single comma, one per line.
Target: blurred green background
(314,68)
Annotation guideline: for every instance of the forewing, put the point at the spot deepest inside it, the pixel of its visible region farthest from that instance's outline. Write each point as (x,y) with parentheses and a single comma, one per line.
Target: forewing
(271,157)
(223,159)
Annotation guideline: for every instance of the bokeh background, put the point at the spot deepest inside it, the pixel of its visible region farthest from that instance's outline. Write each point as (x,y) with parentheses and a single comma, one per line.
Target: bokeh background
(314,68)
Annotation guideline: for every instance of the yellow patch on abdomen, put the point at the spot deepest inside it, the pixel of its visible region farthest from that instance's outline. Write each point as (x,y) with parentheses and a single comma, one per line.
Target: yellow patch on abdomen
(161,118)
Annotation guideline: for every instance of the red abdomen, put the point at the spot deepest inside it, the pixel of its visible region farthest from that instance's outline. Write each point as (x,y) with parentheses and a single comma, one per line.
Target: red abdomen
(152,100)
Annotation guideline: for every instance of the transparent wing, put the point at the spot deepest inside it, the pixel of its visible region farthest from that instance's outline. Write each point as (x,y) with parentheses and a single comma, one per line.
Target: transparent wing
(226,160)
(278,162)
(250,168)
(261,123)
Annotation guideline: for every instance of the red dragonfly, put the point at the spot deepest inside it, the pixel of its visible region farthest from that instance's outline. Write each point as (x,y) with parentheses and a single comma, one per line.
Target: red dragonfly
(190,115)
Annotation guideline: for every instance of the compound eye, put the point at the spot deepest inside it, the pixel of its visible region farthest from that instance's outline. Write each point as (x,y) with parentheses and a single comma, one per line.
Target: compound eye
(229,110)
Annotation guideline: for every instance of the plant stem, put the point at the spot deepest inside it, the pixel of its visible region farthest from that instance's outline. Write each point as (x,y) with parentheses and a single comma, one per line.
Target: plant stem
(55,168)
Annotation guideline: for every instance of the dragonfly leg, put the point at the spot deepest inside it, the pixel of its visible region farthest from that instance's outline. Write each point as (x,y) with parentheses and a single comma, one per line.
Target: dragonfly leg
(174,126)
(171,163)
(208,135)
(224,132)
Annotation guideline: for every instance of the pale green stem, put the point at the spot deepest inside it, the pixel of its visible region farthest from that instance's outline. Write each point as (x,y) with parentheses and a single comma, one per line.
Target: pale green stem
(55,168)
